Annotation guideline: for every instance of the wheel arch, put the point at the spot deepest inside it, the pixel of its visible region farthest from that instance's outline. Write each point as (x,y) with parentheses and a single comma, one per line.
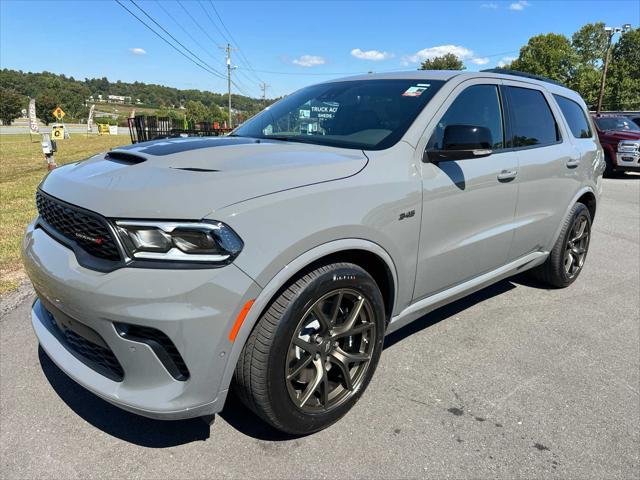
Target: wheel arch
(368,255)
(585,195)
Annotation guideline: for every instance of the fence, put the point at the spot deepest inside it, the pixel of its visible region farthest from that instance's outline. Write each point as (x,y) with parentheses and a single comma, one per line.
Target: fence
(143,128)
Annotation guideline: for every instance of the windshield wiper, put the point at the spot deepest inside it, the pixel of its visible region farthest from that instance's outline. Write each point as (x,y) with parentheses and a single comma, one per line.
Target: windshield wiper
(287,138)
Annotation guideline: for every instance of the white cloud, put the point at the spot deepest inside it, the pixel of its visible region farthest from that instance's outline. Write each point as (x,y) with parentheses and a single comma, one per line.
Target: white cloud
(428,53)
(491,5)
(374,55)
(504,61)
(138,51)
(480,60)
(309,61)
(519,5)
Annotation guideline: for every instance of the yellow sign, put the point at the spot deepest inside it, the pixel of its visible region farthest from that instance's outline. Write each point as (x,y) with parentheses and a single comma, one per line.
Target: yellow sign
(103,128)
(57,132)
(58,113)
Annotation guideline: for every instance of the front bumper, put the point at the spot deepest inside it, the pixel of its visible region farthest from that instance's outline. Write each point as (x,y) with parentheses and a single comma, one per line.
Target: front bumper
(195,309)
(628,161)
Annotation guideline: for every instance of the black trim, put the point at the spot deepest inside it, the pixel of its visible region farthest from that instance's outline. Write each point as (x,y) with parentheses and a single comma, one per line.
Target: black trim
(81,341)
(124,157)
(161,345)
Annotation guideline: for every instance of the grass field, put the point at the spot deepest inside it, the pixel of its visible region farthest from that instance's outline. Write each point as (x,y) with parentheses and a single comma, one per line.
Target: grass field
(22,167)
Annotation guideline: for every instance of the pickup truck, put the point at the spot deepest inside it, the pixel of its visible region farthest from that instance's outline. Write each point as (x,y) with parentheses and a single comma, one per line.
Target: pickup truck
(620,140)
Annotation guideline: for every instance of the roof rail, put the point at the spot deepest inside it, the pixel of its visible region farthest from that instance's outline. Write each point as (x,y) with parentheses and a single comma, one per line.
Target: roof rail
(516,73)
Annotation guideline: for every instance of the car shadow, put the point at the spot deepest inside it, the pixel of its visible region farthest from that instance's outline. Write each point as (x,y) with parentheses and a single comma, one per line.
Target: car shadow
(116,422)
(161,434)
(447,311)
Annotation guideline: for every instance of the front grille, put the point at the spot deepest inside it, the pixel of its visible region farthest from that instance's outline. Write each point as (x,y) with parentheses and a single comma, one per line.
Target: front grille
(97,357)
(86,229)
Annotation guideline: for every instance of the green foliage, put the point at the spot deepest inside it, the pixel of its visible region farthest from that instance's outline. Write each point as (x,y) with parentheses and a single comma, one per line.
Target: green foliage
(11,104)
(623,81)
(549,55)
(72,93)
(578,64)
(447,61)
(46,103)
(197,112)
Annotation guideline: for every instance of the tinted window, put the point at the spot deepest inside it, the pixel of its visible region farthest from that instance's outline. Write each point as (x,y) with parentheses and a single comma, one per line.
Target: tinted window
(531,119)
(479,106)
(616,123)
(576,118)
(363,114)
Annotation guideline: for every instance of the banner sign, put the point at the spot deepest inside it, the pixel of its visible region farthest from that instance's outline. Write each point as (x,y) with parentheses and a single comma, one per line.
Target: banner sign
(33,121)
(90,119)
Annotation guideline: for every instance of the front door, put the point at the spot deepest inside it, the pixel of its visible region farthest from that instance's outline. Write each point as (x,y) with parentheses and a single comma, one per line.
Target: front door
(468,205)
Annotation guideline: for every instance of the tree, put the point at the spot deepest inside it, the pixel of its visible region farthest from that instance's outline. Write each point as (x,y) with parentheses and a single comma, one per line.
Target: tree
(10,106)
(197,112)
(623,81)
(590,44)
(46,103)
(447,61)
(549,55)
(216,113)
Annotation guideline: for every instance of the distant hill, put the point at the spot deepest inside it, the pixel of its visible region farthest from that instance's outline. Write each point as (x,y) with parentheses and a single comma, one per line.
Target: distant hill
(73,93)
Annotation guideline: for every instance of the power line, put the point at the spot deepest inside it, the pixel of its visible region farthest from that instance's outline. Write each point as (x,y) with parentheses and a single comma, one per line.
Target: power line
(198,25)
(159,2)
(206,69)
(243,57)
(174,38)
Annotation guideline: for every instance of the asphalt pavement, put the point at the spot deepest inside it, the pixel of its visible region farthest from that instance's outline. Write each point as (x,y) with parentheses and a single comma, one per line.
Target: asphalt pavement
(516,381)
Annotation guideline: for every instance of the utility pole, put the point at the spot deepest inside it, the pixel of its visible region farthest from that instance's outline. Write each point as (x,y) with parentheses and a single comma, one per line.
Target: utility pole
(263,87)
(229,82)
(610,31)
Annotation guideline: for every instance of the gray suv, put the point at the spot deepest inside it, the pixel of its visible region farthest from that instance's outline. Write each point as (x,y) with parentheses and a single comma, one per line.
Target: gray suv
(274,261)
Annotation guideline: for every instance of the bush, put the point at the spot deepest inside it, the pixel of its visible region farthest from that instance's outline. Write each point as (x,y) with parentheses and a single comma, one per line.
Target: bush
(107,120)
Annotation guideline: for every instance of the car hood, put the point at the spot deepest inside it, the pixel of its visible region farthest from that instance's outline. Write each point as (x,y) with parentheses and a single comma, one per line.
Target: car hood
(189,178)
(622,135)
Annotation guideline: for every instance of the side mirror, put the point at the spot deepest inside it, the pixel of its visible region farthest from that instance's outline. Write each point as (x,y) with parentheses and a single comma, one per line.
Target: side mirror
(462,142)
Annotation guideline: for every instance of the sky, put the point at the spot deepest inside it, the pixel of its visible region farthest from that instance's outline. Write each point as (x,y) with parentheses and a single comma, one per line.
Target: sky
(286,45)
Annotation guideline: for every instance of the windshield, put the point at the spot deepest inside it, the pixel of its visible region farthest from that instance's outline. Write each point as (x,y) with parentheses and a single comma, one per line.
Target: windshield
(364,114)
(616,123)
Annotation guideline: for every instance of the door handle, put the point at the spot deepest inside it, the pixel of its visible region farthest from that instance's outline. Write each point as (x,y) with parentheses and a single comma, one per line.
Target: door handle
(507,175)
(573,162)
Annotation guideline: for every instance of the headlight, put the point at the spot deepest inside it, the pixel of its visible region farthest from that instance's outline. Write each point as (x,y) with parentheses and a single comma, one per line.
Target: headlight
(626,146)
(202,242)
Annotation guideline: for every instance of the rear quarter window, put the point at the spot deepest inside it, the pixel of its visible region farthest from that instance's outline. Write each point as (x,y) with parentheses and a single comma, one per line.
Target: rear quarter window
(575,116)
(532,122)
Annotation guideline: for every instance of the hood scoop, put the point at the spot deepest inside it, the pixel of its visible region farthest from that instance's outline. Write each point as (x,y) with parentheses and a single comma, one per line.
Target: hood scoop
(195,169)
(124,157)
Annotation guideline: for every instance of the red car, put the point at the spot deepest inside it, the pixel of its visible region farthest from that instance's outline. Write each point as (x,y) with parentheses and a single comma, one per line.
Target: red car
(620,140)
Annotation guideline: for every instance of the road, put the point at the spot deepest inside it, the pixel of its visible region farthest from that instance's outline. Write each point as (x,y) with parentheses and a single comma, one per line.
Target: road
(70,127)
(516,381)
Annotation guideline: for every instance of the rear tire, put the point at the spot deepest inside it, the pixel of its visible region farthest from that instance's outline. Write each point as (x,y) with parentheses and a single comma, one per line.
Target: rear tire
(314,350)
(569,253)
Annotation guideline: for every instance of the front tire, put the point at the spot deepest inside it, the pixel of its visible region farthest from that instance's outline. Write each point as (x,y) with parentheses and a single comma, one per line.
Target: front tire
(314,350)
(569,253)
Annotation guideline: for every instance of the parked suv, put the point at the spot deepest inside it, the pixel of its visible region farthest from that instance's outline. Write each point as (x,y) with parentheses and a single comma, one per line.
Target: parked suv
(274,261)
(620,140)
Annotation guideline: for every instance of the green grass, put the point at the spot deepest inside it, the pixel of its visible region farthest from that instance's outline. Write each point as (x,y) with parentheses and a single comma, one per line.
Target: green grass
(22,167)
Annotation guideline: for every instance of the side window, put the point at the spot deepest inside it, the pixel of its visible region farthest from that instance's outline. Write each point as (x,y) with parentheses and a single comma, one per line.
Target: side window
(532,122)
(576,118)
(478,105)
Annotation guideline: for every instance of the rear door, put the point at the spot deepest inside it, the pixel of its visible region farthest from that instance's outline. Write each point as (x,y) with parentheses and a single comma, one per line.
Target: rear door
(548,165)
(468,205)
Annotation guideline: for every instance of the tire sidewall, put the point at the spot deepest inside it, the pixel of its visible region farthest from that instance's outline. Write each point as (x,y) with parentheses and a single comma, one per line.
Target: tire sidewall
(343,276)
(580,210)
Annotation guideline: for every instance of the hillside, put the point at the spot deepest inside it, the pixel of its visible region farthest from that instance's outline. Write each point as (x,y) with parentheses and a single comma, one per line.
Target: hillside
(71,94)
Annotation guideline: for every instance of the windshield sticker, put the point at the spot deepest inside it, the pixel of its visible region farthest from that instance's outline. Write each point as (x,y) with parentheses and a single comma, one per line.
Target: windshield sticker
(416,91)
